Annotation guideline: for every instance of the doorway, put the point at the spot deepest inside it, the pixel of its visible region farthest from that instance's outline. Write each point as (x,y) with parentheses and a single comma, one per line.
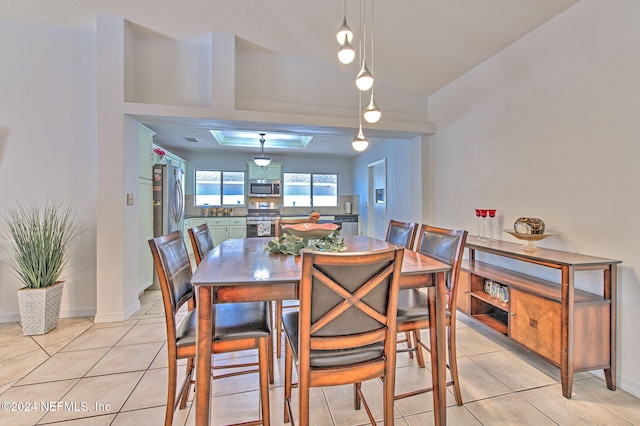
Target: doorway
(377,199)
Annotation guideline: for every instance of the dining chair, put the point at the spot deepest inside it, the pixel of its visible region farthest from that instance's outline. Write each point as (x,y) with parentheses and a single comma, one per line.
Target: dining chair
(281,305)
(202,244)
(402,234)
(413,307)
(238,326)
(201,241)
(344,331)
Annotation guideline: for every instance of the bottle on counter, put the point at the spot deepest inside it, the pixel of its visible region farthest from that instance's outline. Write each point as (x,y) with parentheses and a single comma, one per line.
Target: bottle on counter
(205,210)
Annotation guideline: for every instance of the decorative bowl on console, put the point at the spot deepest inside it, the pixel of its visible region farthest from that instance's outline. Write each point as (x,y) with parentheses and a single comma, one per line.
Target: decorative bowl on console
(529,225)
(310,231)
(529,239)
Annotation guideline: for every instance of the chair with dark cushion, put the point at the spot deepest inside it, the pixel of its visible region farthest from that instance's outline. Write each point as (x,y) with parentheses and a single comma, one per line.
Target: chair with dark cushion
(281,305)
(201,241)
(344,331)
(202,244)
(238,326)
(402,234)
(413,308)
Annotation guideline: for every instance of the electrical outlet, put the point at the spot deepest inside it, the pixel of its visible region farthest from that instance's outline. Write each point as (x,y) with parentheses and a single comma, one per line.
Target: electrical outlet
(129,199)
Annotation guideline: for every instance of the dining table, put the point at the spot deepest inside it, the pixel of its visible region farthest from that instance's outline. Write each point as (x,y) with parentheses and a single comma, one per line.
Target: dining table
(241,270)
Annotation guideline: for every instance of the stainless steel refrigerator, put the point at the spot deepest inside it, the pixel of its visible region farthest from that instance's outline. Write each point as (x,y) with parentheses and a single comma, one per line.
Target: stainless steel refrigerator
(168,202)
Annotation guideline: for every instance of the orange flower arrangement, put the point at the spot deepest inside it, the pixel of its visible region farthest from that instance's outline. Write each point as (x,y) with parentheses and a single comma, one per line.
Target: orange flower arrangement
(314,216)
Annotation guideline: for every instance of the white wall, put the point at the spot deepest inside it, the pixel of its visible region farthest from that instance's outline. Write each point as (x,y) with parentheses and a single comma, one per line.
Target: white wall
(48,143)
(404,182)
(547,128)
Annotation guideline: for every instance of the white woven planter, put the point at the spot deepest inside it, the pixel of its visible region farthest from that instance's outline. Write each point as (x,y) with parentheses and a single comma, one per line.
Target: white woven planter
(40,308)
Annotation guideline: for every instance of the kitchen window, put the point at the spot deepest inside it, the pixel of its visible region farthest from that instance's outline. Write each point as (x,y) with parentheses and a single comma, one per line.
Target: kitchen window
(218,188)
(310,190)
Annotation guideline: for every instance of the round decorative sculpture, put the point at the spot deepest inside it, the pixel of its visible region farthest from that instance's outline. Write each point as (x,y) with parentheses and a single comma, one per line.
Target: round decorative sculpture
(529,225)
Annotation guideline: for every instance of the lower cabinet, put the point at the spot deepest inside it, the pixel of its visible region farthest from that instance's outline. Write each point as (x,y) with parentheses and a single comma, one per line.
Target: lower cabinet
(535,323)
(221,228)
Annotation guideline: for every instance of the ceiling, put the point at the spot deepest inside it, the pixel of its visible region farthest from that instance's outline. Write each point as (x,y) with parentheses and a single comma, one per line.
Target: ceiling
(437,41)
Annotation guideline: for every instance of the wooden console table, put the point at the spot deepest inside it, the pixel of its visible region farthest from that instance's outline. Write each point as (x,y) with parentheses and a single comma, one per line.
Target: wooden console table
(571,328)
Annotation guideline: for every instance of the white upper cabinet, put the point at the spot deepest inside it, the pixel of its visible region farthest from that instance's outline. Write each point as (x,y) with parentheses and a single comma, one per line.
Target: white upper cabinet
(271,172)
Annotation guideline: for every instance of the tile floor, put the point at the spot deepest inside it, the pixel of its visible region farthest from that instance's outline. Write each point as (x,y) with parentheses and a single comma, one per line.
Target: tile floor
(83,373)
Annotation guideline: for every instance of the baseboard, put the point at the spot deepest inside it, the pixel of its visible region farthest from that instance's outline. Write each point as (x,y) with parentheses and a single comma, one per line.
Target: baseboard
(15,317)
(74,313)
(69,313)
(118,316)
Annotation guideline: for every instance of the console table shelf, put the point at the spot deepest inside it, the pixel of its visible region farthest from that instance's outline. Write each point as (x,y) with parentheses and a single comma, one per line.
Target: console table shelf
(573,329)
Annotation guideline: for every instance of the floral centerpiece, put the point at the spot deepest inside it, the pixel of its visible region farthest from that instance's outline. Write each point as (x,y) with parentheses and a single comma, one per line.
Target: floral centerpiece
(322,237)
(314,216)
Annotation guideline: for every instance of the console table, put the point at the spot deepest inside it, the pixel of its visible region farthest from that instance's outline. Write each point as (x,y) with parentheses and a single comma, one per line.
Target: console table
(571,328)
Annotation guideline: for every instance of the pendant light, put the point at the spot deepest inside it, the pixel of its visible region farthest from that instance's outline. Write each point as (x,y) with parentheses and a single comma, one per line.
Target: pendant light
(360,142)
(344,30)
(364,79)
(262,161)
(372,113)
(346,53)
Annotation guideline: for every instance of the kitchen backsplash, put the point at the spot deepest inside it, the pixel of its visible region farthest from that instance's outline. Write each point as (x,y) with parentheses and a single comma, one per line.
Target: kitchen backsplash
(191,210)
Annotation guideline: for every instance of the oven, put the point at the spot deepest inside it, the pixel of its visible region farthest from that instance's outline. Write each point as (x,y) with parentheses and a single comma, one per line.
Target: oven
(261,226)
(261,219)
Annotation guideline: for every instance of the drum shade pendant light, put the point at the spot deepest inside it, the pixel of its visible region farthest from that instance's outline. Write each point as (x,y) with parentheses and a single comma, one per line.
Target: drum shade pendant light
(262,161)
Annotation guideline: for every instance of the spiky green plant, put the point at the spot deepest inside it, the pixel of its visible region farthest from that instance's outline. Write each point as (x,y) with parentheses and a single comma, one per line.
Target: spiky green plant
(40,240)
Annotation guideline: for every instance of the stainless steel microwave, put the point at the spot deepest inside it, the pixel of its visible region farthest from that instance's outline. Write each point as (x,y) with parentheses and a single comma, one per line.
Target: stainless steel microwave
(264,188)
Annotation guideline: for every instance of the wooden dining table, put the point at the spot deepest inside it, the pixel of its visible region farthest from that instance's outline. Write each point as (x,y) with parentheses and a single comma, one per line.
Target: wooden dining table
(240,270)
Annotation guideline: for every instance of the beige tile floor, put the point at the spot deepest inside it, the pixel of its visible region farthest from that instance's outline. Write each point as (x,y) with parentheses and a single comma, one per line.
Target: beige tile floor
(83,373)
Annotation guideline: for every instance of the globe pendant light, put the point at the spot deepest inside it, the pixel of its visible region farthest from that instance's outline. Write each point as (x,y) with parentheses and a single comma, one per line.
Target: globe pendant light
(360,142)
(364,80)
(346,53)
(344,31)
(372,113)
(262,161)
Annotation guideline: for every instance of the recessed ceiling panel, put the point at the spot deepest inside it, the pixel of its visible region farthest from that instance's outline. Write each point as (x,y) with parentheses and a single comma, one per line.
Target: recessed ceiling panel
(241,138)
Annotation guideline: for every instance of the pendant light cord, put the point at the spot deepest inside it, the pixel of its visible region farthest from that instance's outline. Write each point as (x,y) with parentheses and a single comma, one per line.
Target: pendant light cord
(372,44)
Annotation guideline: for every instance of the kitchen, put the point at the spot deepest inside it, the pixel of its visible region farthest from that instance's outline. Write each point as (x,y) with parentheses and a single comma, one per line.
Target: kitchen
(241,215)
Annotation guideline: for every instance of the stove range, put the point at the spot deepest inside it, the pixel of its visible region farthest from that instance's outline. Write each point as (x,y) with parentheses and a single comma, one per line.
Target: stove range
(261,219)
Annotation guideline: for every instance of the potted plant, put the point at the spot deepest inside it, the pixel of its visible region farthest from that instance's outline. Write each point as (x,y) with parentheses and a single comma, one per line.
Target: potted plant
(40,245)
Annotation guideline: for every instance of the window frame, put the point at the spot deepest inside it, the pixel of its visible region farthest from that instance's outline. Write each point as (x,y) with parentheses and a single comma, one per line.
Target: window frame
(222,172)
(311,175)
